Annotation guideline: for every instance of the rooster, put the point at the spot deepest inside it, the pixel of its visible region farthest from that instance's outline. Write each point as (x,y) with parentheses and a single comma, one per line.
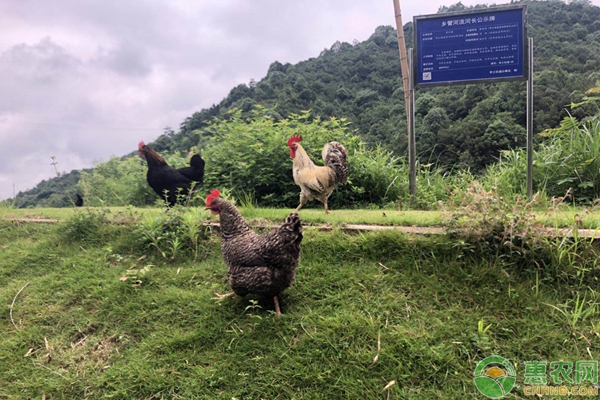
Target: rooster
(196,169)
(318,182)
(258,264)
(177,182)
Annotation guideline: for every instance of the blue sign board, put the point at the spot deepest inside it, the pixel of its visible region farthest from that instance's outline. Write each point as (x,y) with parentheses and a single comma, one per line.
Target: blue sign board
(467,47)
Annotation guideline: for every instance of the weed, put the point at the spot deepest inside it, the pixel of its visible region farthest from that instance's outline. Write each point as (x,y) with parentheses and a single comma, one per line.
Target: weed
(481,328)
(253,307)
(8,204)
(496,226)
(173,232)
(85,225)
(576,311)
(248,200)
(192,228)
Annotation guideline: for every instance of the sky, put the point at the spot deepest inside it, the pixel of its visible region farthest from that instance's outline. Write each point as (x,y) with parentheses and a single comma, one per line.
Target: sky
(85,80)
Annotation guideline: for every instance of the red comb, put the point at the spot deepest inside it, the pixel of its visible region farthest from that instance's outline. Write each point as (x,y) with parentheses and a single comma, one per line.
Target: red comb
(294,139)
(213,194)
(141,144)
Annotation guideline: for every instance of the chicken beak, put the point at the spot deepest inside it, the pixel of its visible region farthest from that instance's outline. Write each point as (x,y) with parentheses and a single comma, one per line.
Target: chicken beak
(213,212)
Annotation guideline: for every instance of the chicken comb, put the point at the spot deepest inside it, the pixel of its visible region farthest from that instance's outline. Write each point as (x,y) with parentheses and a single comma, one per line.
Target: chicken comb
(141,144)
(213,195)
(294,139)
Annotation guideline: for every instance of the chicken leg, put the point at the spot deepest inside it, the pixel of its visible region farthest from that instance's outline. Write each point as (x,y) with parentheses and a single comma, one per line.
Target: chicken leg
(303,200)
(277,309)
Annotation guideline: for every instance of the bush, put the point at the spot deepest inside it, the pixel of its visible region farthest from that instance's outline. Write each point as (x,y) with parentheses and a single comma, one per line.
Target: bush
(120,182)
(570,160)
(251,158)
(505,229)
(375,177)
(87,225)
(117,183)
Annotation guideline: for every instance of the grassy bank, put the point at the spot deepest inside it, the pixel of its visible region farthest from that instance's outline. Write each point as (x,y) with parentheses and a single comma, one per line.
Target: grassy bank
(365,310)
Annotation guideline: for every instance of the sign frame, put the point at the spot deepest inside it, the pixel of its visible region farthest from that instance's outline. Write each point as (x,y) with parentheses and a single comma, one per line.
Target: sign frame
(470,13)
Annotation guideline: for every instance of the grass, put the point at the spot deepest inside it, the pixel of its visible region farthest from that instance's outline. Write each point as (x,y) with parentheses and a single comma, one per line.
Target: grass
(366,310)
(560,217)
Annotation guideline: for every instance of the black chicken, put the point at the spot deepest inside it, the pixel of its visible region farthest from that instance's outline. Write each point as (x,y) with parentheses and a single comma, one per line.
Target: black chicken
(195,171)
(259,264)
(168,182)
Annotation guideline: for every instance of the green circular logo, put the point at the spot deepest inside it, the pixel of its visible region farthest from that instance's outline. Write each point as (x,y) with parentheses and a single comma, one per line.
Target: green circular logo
(494,377)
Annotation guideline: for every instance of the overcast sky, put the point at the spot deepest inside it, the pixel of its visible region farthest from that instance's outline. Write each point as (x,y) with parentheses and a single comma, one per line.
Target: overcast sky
(86,79)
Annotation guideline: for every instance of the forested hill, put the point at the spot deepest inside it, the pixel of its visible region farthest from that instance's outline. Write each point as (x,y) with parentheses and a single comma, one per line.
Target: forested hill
(460,126)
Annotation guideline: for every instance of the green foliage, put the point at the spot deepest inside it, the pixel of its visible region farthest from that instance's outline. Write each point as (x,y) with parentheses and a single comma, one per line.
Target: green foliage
(173,234)
(117,182)
(509,175)
(591,100)
(511,233)
(376,178)
(120,182)
(8,204)
(566,163)
(87,225)
(435,186)
(250,157)
(569,162)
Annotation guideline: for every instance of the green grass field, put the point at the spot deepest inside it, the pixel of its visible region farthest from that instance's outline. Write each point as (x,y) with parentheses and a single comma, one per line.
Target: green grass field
(371,315)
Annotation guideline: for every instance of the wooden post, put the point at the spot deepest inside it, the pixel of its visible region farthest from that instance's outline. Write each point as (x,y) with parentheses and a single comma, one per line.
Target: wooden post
(403,58)
(408,101)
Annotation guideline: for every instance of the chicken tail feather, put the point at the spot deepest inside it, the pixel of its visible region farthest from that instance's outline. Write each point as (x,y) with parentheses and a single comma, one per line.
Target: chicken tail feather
(291,229)
(335,157)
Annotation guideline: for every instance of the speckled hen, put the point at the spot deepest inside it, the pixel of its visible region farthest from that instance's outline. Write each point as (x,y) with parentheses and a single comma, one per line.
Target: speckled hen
(258,264)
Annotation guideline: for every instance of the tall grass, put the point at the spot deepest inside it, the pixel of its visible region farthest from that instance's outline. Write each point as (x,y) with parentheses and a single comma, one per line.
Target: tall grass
(570,159)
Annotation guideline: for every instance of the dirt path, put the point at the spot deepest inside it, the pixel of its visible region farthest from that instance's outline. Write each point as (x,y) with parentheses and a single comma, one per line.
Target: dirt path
(34,220)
